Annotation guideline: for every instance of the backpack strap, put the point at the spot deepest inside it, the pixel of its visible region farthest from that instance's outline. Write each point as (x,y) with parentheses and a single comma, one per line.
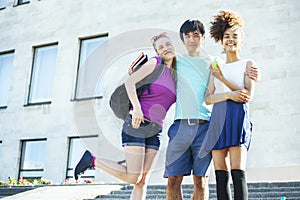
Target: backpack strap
(157,72)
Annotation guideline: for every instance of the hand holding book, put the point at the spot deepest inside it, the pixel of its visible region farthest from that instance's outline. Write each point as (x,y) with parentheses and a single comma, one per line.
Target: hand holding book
(139,61)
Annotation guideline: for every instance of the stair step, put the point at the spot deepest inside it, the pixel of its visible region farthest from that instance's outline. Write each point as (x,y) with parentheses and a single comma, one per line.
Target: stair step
(257,191)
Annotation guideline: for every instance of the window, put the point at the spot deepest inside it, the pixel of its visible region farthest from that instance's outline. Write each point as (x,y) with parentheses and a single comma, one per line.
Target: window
(92,60)
(6,62)
(42,75)
(77,147)
(33,154)
(20,2)
(2,4)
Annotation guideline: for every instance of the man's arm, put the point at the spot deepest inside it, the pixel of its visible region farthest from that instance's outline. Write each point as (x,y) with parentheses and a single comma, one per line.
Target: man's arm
(254,73)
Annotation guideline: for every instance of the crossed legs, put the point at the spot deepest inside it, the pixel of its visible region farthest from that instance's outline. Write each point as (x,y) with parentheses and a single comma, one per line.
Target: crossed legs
(140,188)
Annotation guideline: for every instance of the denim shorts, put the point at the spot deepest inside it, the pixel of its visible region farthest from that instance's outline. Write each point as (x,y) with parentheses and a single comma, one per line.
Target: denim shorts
(147,135)
(185,141)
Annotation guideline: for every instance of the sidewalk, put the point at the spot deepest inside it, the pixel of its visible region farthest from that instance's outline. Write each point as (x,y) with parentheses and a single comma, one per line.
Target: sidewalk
(72,192)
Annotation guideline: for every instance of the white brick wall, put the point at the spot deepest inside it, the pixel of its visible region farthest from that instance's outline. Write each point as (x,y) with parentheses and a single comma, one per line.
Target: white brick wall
(271,40)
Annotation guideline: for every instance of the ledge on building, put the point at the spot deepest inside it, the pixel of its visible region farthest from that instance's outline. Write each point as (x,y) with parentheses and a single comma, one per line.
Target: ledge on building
(38,103)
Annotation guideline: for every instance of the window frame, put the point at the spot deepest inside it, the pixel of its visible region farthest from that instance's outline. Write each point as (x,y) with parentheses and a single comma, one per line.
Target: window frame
(29,102)
(20,2)
(4,4)
(22,158)
(13,54)
(75,92)
(70,169)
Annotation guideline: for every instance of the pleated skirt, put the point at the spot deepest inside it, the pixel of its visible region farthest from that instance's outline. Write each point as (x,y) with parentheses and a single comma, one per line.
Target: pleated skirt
(229,126)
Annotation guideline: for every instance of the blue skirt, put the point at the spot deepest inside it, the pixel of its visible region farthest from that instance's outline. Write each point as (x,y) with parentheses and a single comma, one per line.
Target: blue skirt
(229,126)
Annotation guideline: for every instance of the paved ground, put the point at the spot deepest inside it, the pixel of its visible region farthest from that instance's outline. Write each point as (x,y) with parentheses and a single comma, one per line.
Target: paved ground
(80,192)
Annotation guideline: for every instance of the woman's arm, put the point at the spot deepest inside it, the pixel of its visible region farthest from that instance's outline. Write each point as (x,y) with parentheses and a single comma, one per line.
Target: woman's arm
(140,74)
(240,95)
(210,97)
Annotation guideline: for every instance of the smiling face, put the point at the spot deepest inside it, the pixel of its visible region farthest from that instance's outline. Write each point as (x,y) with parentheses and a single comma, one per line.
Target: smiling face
(233,39)
(192,41)
(165,48)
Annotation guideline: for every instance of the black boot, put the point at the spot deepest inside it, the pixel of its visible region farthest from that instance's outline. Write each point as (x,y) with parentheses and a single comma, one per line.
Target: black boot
(222,184)
(239,184)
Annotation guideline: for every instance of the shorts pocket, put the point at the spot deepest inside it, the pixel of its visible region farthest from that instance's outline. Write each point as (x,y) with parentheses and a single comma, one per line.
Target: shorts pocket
(172,131)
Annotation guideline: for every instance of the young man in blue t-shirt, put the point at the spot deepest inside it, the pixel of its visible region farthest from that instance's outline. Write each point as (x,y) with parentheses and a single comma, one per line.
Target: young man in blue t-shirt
(191,118)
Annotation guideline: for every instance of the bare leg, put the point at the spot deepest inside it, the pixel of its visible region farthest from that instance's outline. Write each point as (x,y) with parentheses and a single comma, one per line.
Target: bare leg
(131,173)
(174,188)
(221,159)
(201,190)
(140,188)
(238,157)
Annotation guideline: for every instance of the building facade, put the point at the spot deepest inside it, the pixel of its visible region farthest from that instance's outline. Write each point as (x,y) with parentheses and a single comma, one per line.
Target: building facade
(60,60)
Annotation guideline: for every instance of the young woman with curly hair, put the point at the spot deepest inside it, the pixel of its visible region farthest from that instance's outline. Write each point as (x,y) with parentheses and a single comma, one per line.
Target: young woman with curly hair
(230,90)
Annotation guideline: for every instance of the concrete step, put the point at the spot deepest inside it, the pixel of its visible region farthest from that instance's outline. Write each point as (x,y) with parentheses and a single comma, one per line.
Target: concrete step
(11,190)
(162,190)
(65,192)
(257,191)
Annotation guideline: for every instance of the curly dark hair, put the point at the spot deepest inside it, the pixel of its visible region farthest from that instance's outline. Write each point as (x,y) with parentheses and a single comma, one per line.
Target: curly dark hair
(222,21)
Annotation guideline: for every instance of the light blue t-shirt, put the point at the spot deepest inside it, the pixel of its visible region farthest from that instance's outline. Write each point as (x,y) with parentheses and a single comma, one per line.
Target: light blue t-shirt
(193,74)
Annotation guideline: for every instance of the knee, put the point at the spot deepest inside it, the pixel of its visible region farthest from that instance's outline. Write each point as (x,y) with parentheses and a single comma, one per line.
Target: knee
(201,183)
(140,184)
(142,181)
(174,183)
(134,178)
(221,165)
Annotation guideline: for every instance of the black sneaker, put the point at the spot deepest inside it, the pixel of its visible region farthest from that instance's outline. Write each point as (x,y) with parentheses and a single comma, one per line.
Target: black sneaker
(85,162)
